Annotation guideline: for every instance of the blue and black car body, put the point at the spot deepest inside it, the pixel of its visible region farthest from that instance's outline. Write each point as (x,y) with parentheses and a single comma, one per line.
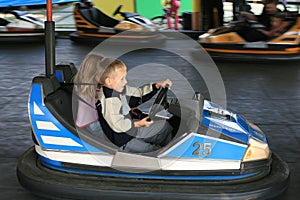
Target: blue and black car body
(223,156)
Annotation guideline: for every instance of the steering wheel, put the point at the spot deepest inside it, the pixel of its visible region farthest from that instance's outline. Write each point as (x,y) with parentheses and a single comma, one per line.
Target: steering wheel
(117,11)
(159,102)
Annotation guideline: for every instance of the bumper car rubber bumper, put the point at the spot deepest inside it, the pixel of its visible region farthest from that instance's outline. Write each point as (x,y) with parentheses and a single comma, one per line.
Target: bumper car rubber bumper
(55,184)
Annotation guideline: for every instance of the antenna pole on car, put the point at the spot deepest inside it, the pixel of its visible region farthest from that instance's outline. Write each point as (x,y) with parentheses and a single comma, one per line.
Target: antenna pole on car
(49,40)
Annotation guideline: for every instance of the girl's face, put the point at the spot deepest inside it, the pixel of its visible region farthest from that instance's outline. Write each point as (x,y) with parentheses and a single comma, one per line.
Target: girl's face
(117,80)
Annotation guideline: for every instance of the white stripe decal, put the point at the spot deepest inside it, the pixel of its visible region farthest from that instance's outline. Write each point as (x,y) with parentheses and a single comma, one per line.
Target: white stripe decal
(228,124)
(12,34)
(46,126)
(59,141)
(165,163)
(197,164)
(37,110)
(76,157)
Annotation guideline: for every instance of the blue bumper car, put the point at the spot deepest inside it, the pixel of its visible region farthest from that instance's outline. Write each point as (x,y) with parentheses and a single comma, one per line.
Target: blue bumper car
(215,154)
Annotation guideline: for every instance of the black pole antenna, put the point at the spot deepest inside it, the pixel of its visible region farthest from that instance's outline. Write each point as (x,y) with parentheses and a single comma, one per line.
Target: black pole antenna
(49,40)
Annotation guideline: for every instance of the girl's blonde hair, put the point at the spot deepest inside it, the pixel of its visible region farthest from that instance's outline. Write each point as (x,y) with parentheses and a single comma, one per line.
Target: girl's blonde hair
(87,77)
(93,70)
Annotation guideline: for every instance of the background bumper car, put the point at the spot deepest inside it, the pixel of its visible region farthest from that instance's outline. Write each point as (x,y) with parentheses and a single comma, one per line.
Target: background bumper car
(94,26)
(21,26)
(225,43)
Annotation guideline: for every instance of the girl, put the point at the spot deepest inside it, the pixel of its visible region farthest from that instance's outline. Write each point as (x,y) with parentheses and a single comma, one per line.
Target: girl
(86,85)
(172,7)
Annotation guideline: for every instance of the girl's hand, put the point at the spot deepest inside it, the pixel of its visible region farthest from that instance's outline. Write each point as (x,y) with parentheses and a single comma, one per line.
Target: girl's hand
(163,84)
(143,122)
